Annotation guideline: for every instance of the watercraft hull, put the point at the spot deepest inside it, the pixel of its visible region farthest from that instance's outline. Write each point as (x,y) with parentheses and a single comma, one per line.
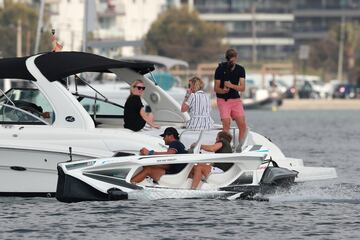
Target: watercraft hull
(109,180)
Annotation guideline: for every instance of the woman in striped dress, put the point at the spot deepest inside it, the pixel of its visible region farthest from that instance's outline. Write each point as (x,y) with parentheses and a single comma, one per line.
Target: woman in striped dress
(197,103)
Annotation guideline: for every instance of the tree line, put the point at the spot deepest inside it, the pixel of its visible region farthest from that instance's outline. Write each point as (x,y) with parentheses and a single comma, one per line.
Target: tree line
(324,54)
(15,14)
(180,33)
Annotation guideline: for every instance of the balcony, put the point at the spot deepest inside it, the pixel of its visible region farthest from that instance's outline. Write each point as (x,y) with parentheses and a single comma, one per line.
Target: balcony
(327,13)
(310,35)
(108,34)
(106,10)
(315,5)
(262,34)
(259,9)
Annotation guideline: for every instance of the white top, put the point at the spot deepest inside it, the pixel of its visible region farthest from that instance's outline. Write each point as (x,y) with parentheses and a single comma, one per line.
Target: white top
(199,110)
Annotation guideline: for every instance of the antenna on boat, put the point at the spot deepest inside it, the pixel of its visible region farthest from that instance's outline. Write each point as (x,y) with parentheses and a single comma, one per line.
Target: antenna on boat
(67,83)
(76,86)
(70,154)
(39,26)
(94,107)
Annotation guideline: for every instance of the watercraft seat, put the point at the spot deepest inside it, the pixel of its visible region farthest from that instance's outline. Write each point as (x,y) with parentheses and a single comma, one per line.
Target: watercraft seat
(178,180)
(240,146)
(224,178)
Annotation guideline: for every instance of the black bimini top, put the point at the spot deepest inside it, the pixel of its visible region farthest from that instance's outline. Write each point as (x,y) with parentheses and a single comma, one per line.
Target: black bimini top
(14,68)
(57,65)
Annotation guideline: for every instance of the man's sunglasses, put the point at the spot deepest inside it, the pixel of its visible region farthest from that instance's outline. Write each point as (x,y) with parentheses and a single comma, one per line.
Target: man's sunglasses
(139,88)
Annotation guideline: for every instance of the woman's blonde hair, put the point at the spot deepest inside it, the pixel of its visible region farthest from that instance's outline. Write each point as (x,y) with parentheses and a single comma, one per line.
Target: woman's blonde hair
(133,84)
(224,135)
(198,83)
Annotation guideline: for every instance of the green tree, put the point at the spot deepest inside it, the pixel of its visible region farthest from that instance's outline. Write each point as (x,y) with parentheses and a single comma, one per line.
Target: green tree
(9,16)
(351,41)
(324,54)
(179,33)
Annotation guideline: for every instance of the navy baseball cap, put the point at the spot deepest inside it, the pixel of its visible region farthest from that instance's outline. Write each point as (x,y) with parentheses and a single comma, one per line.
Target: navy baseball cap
(170,131)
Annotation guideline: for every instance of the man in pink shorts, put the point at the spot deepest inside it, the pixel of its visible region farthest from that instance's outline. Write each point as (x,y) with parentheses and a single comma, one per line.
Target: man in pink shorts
(229,81)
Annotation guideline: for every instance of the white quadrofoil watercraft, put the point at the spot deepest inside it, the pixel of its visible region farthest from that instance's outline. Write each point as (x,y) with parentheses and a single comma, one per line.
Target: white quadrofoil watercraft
(109,178)
(81,127)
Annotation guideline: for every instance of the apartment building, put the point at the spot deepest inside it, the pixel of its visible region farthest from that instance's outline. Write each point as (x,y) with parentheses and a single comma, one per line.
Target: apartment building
(314,18)
(275,29)
(66,17)
(139,15)
(114,27)
(259,30)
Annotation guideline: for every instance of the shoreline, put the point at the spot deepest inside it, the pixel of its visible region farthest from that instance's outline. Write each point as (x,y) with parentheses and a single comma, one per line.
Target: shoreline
(313,104)
(320,104)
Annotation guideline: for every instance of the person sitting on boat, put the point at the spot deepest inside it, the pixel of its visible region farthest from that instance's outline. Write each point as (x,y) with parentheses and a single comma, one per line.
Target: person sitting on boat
(32,108)
(135,116)
(197,103)
(222,145)
(171,138)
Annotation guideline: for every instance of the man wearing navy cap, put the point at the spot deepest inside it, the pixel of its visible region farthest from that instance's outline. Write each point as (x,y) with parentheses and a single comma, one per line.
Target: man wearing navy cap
(171,138)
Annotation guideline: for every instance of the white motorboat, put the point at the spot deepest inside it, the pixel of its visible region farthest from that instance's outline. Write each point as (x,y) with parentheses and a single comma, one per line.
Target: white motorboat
(31,147)
(81,127)
(260,98)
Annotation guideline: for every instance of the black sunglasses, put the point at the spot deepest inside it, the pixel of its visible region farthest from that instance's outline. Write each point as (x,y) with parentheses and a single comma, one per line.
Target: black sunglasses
(139,88)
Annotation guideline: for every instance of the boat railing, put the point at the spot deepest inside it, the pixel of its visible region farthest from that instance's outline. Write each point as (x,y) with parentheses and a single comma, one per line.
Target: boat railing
(77,78)
(8,99)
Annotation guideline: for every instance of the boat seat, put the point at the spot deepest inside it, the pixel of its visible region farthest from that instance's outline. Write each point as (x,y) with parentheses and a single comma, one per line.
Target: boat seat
(224,178)
(177,180)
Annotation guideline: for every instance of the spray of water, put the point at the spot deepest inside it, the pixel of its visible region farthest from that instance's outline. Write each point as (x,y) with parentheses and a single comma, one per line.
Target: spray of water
(319,192)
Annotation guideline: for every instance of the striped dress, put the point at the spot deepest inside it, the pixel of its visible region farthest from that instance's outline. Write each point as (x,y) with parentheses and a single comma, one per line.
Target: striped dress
(199,110)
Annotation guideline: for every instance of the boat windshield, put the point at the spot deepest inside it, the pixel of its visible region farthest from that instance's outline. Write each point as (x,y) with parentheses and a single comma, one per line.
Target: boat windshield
(10,114)
(29,104)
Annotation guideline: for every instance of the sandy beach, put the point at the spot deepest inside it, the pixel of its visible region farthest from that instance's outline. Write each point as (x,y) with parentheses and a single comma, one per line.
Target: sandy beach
(318,104)
(315,104)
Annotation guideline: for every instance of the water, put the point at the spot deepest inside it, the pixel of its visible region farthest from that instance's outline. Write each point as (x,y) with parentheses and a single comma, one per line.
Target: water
(322,210)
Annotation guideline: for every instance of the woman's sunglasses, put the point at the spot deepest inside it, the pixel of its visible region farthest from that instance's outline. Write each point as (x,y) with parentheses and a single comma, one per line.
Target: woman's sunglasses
(139,88)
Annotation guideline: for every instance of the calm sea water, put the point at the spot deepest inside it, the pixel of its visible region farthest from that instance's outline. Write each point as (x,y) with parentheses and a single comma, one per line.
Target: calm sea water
(322,210)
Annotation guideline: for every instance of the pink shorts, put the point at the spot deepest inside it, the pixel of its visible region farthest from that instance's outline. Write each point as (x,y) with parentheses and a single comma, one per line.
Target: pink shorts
(232,108)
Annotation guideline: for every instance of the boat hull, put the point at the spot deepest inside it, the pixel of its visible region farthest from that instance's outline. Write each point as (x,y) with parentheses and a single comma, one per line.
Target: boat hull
(30,172)
(71,189)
